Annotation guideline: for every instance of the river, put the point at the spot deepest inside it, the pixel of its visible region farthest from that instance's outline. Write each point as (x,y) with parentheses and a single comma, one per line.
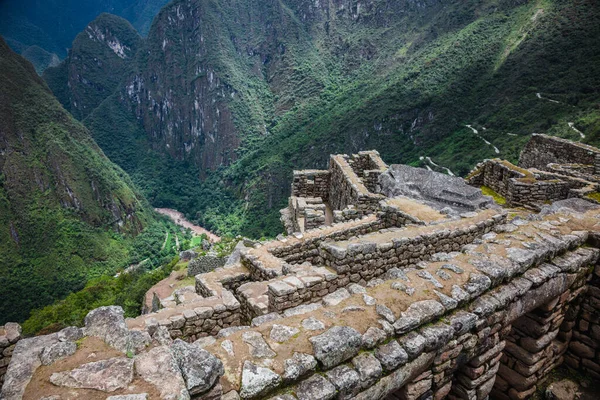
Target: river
(180,220)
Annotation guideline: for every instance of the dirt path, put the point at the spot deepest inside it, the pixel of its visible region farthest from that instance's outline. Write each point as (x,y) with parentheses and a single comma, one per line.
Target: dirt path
(180,220)
(476,132)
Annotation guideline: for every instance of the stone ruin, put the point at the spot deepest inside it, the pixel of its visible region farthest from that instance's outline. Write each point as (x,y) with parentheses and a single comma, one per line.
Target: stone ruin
(441,296)
(550,169)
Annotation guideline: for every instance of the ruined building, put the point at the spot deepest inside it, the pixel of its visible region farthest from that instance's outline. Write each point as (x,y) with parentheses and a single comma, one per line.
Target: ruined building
(393,282)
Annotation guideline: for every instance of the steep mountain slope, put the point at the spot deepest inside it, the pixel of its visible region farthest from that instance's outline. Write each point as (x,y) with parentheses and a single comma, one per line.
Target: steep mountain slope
(53,24)
(66,212)
(98,60)
(240,92)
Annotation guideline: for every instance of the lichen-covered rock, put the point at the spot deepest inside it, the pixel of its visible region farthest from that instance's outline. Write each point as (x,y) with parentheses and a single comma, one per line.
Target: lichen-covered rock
(282,333)
(257,345)
(108,323)
(105,375)
(418,313)
(57,351)
(71,334)
(391,355)
(346,380)
(300,364)
(159,368)
(140,396)
(200,369)
(336,345)
(315,388)
(312,324)
(368,368)
(257,381)
(25,360)
(373,336)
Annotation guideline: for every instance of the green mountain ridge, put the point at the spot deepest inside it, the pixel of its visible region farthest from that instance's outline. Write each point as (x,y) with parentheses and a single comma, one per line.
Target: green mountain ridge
(66,212)
(53,24)
(224,99)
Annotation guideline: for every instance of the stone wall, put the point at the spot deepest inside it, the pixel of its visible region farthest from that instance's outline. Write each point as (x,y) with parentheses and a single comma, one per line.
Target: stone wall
(368,165)
(10,334)
(205,264)
(366,259)
(584,320)
(542,150)
(522,187)
(311,183)
(363,261)
(347,188)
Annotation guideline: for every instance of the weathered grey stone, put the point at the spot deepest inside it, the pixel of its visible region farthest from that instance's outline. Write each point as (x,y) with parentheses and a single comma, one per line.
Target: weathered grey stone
(435,189)
(386,313)
(356,289)
(302,309)
(282,333)
(563,390)
(299,365)
(462,322)
(12,331)
(108,323)
(227,345)
(199,368)
(140,396)
(162,336)
(257,381)
(368,368)
(369,301)
(205,341)
(139,340)
(391,355)
(226,332)
(336,297)
(436,335)
(373,336)
(25,360)
(448,302)
(336,345)
(477,284)
(265,318)
(57,351)
(315,388)
(70,334)
(105,375)
(159,368)
(346,381)
(413,343)
(312,324)
(418,313)
(257,345)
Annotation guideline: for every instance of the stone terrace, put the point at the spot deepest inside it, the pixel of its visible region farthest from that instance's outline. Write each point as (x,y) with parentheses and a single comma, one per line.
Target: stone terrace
(405,300)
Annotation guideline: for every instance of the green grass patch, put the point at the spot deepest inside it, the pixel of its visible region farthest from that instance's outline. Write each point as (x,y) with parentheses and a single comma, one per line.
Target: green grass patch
(487,191)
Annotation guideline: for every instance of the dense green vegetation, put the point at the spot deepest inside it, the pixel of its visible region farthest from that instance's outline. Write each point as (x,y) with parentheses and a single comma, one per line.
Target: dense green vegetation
(126,290)
(67,214)
(393,76)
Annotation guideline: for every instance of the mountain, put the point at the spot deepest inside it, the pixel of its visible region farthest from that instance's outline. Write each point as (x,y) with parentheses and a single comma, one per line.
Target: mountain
(99,58)
(229,96)
(53,24)
(66,212)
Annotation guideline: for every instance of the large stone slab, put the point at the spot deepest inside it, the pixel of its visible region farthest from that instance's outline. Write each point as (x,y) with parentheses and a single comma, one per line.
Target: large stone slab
(336,345)
(105,375)
(159,368)
(200,369)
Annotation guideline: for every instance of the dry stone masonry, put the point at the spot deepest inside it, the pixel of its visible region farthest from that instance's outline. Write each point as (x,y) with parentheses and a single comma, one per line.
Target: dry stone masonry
(550,169)
(442,295)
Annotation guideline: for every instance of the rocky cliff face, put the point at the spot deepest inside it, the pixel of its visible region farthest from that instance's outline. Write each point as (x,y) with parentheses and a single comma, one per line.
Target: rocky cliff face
(63,204)
(101,55)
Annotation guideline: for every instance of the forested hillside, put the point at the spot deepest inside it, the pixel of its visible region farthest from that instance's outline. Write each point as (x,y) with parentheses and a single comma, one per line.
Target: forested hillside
(67,213)
(43,30)
(225,98)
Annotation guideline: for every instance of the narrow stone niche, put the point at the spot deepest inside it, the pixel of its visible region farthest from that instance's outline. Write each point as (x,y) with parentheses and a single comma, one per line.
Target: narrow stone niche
(535,346)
